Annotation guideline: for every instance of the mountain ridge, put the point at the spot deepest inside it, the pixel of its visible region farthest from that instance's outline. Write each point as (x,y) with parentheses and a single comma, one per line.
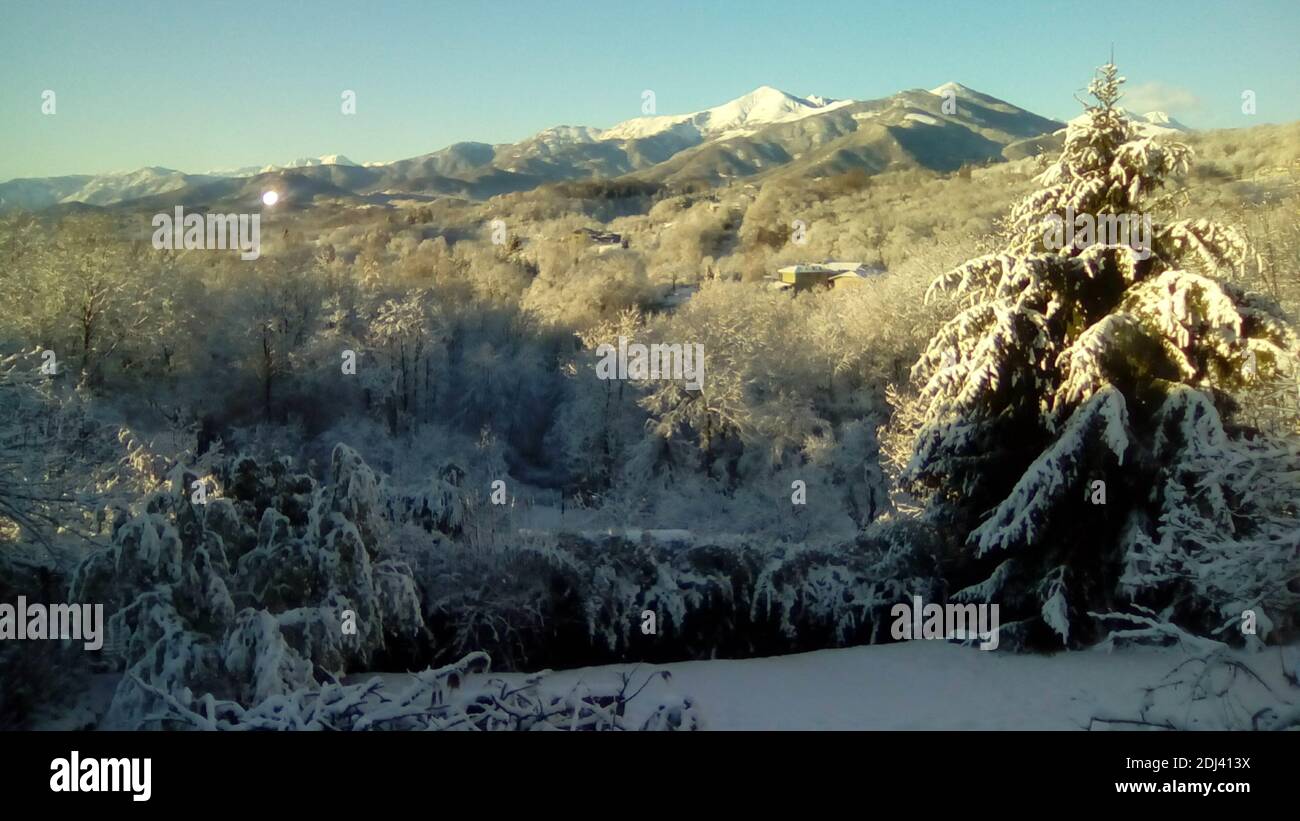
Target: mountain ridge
(765,131)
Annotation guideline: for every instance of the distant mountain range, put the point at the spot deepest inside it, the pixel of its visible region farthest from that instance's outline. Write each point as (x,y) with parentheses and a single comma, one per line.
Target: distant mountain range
(766,133)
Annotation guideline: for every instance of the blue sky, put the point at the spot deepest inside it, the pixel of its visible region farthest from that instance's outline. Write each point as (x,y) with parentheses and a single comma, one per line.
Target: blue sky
(198,86)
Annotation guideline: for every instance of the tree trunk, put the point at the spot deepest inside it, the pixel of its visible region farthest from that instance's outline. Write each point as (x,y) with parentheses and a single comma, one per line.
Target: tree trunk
(267,363)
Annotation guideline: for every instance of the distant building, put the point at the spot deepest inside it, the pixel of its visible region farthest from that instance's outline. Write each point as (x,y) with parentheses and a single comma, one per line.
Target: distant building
(805,277)
(822,275)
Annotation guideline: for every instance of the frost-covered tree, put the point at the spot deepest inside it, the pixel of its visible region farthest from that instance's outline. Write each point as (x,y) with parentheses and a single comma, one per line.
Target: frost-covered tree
(1076,416)
(255,594)
(79,290)
(401,331)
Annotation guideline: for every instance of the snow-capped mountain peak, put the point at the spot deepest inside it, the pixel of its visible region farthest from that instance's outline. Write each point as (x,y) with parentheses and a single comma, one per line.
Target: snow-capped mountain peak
(302,162)
(568,134)
(312,162)
(764,105)
(957,90)
(1161,120)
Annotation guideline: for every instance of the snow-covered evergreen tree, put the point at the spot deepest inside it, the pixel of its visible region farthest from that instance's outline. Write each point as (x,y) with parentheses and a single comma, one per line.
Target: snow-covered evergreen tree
(1076,415)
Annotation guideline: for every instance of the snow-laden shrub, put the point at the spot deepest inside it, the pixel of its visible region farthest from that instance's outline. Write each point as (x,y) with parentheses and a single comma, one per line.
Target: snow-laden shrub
(437,505)
(245,601)
(251,599)
(1212,687)
(582,600)
(1226,538)
(1069,419)
(842,597)
(454,697)
(301,593)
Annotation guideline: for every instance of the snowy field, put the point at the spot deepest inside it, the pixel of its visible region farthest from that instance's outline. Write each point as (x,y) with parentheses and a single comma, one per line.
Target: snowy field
(930,685)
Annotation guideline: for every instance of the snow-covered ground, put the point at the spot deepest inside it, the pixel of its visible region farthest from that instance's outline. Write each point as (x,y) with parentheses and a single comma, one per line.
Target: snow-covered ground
(919,685)
(927,685)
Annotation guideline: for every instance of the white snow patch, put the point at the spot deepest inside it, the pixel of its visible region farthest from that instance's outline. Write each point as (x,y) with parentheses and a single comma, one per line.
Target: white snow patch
(919,685)
(955,88)
(762,106)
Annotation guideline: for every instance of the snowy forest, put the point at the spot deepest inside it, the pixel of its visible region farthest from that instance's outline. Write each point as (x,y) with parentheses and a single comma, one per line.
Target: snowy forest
(375,479)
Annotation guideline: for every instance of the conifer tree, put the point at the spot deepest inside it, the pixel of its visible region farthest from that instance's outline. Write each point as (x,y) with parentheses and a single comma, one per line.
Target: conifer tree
(1075,425)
